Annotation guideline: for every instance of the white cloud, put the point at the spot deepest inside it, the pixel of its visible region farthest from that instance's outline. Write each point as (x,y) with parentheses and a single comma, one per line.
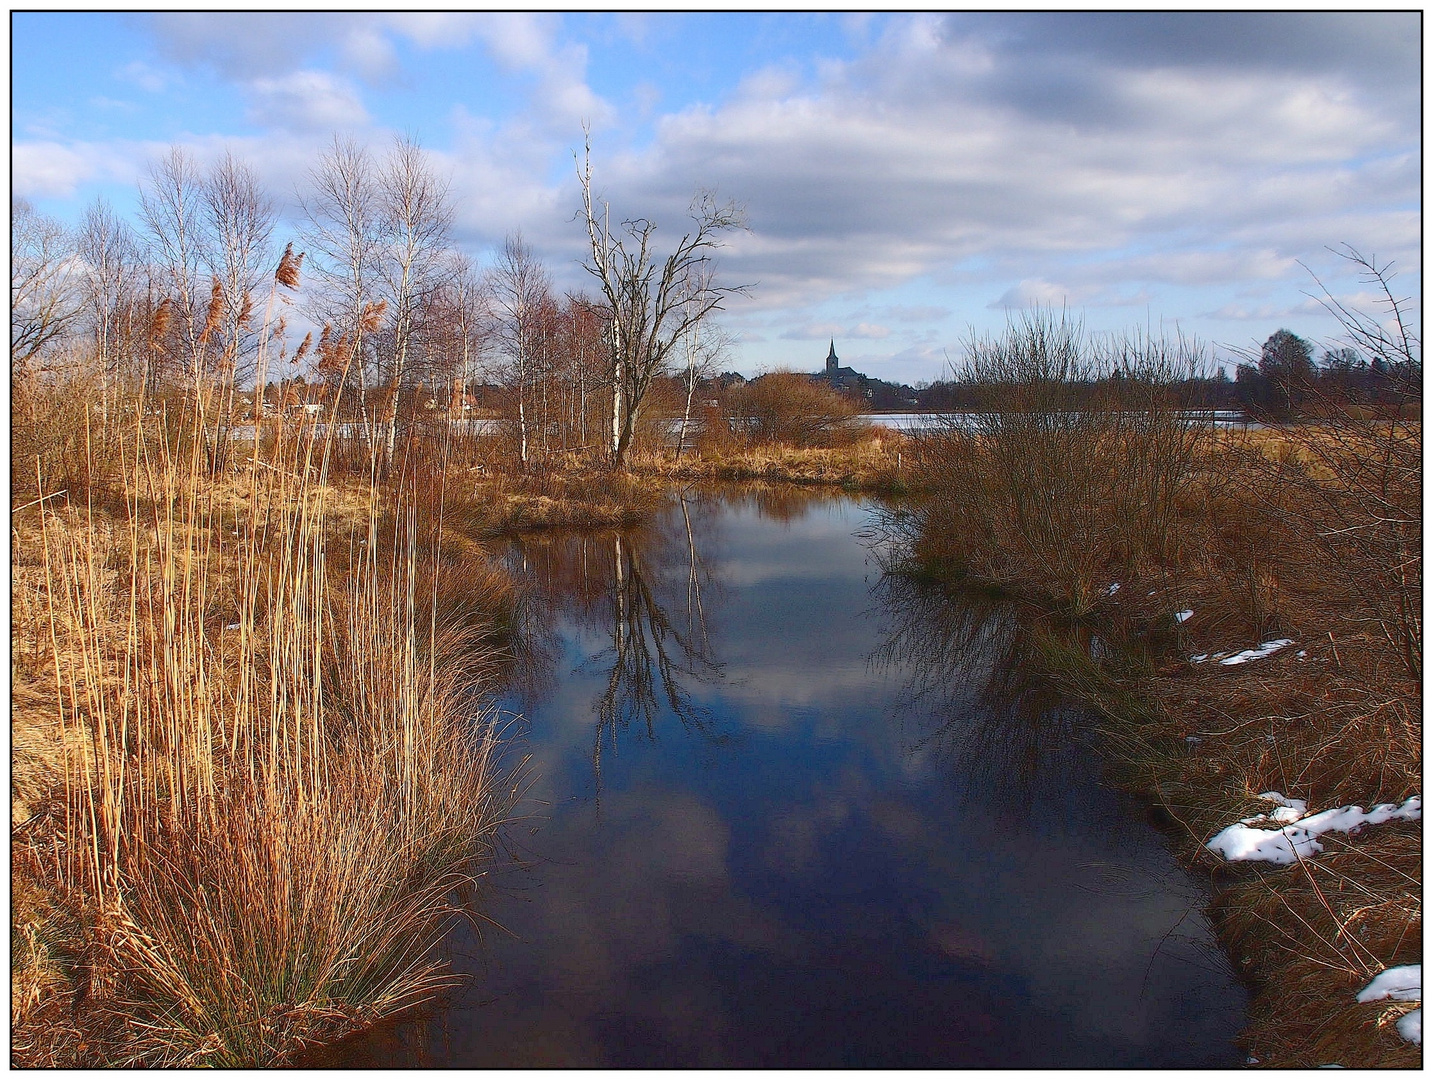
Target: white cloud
(113,104)
(306,101)
(1037,292)
(1096,160)
(365,48)
(815,332)
(931,149)
(145,77)
(1238,311)
(48,169)
(248,46)
(921,313)
(869,330)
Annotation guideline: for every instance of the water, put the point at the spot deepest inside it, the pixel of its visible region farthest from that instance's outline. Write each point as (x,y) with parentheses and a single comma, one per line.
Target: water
(788,813)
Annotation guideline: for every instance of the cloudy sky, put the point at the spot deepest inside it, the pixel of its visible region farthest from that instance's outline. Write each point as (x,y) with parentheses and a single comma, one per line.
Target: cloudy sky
(905,177)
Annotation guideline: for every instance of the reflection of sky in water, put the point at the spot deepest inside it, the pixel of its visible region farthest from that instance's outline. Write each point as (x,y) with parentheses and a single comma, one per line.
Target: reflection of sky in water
(809,883)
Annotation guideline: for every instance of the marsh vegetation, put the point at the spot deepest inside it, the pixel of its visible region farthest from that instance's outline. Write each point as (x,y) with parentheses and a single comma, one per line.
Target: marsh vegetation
(1183,546)
(265,601)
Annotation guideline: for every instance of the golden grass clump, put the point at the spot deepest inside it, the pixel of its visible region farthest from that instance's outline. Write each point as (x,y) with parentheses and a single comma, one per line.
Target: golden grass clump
(269,786)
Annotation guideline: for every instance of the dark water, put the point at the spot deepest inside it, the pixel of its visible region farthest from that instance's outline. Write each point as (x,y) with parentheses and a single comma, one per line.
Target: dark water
(788,813)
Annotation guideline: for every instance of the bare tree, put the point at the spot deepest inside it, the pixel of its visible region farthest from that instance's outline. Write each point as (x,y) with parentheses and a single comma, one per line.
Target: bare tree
(458,314)
(416,218)
(109,255)
(521,289)
(1389,336)
(171,209)
(651,302)
(43,299)
(585,357)
(703,346)
(237,250)
(342,237)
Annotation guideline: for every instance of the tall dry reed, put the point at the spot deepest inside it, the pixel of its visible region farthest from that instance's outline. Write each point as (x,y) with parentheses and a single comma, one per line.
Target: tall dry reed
(279,791)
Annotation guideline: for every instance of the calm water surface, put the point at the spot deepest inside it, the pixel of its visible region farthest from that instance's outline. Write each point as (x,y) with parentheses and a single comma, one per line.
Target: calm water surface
(786,812)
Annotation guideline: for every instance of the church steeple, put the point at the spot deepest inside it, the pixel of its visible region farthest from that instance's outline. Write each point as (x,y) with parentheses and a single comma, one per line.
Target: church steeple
(831,361)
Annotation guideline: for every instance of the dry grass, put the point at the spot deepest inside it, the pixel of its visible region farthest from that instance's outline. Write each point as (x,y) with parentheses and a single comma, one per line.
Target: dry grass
(1054,485)
(583,494)
(254,786)
(1340,725)
(1203,740)
(879,463)
(1311,532)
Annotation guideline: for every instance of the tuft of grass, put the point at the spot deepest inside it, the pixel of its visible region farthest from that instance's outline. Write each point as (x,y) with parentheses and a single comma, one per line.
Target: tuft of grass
(269,785)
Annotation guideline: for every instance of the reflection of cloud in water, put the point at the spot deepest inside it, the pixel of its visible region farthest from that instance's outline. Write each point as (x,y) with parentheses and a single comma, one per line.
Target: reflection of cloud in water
(1059,949)
(904,820)
(795,837)
(626,890)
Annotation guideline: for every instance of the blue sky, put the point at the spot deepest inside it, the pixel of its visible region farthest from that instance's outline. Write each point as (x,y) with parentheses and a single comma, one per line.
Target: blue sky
(905,177)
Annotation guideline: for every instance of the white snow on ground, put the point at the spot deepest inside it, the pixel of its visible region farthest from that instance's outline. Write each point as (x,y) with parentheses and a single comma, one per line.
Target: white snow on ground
(1297,838)
(1113,589)
(1410,1026)
(1403,983)
(1244,657)
(1180,616)
(1259,653)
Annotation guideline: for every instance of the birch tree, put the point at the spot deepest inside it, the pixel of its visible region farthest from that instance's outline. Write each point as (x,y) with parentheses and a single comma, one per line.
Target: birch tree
(521,290)
(43,299)
(342,235)
(171,211)
(236,246)
(109,256)
(416,217)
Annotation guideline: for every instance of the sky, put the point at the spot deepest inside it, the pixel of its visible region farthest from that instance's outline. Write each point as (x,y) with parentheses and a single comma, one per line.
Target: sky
(907,179)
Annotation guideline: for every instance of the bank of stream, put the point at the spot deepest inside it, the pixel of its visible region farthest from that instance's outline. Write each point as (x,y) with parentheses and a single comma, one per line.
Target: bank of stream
(786,810)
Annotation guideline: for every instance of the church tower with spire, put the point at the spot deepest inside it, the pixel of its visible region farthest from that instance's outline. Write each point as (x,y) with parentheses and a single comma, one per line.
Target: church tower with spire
(832,363)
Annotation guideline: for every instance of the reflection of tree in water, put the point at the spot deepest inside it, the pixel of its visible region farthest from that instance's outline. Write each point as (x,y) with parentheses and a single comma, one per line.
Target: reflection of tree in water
(973,697)
(647,590)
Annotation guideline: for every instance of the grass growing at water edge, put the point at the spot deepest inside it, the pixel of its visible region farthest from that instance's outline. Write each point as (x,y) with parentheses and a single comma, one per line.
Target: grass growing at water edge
(272,790)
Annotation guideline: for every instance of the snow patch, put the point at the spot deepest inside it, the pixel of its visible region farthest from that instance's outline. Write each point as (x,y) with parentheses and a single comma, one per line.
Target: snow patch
(1297,838)
(1180,616)
(1402,983)
(1113,589)
(1410,1027)
(1266,649)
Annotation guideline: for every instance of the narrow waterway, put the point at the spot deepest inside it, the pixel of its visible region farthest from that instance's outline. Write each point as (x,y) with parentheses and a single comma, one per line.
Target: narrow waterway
(786,812)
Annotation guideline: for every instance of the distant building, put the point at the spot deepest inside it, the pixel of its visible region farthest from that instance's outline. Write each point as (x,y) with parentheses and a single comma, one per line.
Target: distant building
(837,377)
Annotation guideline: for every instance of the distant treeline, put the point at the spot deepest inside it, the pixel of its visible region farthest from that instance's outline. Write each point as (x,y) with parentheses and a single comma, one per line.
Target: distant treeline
(1283,381)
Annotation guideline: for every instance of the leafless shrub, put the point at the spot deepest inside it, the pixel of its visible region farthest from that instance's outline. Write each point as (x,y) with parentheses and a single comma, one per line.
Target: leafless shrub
(790,408)
(1072,469)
